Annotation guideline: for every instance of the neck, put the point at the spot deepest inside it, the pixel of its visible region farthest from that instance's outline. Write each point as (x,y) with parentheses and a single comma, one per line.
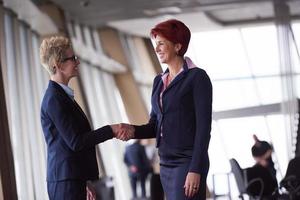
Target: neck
(59,79)
(175,65)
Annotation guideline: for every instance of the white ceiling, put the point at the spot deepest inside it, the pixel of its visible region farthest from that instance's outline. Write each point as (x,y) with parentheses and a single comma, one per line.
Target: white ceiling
(138,16)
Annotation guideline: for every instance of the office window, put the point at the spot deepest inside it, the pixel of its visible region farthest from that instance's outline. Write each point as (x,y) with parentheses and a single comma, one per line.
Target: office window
(243,64)
(261,50)
(269,90)
(220,53)
(296,55)
(230,95)
(139,62)
(101,95)
(105,107)
(24,90)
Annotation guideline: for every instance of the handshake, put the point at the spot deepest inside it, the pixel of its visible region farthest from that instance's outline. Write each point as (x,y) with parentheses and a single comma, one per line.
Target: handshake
(123,131)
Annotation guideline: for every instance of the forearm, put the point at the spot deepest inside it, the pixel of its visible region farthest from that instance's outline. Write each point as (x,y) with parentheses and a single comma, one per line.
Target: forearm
(144,131)
(92,138)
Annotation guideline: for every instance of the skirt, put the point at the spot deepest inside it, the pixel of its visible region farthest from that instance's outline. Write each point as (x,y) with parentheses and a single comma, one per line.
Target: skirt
(173,179)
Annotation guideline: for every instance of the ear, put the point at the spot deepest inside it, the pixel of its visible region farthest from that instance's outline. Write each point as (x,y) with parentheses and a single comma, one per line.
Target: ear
(178,46)
(56,66)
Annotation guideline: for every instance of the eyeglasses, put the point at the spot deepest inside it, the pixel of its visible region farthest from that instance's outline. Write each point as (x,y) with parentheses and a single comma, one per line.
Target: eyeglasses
(72,58)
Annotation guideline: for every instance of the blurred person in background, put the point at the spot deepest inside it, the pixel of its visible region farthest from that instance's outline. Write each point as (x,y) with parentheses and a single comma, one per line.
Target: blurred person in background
(262,154)
(138,165)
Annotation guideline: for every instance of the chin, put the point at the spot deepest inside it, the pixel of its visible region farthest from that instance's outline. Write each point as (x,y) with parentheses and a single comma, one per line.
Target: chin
(74,75)
(163,60)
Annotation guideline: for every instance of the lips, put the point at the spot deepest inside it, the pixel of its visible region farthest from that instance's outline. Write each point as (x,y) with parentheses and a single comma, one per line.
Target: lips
(160,55)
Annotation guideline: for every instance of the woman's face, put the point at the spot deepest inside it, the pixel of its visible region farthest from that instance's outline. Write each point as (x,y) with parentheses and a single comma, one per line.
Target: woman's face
(165,49)
(69,66)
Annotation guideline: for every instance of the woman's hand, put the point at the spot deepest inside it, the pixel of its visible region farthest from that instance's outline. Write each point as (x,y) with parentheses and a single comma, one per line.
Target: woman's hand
(133,169)
(192,183)
(123,131)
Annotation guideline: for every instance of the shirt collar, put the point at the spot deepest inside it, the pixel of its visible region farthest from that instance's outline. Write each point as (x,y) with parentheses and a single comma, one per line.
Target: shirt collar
(68,90)
(186,66)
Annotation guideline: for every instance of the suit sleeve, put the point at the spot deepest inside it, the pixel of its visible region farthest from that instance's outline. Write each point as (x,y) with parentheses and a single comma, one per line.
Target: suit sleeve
(70,130)
(202,94)
(146,131)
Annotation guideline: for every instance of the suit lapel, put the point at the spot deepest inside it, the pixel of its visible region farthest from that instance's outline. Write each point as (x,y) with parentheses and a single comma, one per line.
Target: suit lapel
(160,85)
(157,87)
(178,77)
(175,81)
(68,99)
(80,110)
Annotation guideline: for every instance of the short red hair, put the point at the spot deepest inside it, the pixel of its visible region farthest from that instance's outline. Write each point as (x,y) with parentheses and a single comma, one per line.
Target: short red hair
(174,31)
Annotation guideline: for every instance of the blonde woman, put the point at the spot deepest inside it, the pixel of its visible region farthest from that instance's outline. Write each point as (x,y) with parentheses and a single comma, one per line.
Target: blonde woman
(71,159)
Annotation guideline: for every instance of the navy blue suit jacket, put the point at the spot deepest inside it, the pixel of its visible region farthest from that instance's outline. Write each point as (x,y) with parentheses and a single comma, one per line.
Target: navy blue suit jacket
(184,119)
(70,141)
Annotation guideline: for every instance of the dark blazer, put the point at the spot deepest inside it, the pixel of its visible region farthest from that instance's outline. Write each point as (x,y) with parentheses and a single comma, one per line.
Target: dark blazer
(135,154)
(184,119)
(70,141)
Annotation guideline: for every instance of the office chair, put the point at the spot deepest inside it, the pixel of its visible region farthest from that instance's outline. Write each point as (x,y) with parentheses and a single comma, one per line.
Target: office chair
(254,181)
(291,181)
(239,177)
(265,190)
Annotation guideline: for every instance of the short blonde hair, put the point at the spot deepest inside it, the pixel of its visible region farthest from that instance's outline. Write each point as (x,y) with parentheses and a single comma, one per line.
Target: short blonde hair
(52,50)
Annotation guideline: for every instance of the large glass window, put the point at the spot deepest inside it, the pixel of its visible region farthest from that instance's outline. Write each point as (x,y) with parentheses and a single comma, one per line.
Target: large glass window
(143,75)
(25,85)
(104,103)
(101,93)
(243,64)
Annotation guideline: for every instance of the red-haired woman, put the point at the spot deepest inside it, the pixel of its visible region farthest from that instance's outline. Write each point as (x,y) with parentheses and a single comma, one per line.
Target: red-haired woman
(180,118)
